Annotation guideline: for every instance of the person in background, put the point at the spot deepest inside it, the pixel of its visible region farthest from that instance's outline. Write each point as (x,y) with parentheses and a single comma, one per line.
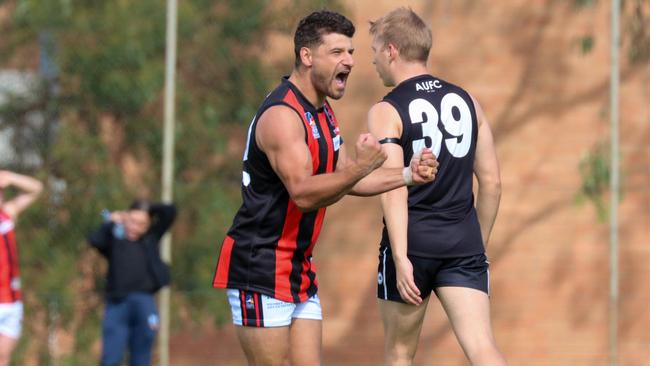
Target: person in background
(129,240)
(11,306)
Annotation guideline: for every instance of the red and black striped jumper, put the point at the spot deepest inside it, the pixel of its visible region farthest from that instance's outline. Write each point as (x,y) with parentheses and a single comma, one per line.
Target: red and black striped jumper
(9,271)
(268,249)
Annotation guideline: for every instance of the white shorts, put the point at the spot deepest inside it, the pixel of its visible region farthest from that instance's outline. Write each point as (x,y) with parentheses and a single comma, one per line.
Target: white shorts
(11,319)
(252,309)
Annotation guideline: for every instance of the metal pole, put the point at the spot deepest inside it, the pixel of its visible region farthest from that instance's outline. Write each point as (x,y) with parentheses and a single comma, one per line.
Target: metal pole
(614,185)
(168,170)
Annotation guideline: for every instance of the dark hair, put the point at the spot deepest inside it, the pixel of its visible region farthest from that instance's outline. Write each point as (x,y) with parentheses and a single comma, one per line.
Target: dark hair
(143,205)
(311,29)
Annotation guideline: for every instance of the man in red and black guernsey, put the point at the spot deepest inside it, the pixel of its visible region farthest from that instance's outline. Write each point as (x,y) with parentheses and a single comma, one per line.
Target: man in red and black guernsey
(295,165)
(11,306)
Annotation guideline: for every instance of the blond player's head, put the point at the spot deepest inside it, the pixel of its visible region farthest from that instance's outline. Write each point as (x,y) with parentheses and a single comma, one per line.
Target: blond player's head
(406,31)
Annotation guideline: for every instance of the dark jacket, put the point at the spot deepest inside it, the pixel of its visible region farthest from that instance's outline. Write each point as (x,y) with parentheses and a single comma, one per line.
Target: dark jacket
(135,266)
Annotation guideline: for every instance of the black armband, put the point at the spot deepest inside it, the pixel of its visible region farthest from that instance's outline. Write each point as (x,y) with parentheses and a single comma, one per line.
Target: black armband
(390,140)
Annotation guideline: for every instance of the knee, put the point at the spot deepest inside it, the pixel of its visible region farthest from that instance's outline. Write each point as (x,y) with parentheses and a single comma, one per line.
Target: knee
(400,354)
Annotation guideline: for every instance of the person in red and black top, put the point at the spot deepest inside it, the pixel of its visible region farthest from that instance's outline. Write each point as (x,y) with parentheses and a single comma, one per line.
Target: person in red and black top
(11,307)
(295,164)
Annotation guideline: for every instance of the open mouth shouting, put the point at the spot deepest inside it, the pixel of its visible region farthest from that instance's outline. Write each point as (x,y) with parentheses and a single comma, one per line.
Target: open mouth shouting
(341,78)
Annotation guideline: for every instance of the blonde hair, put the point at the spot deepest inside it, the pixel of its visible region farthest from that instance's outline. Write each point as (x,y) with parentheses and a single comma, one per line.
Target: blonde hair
(406,31)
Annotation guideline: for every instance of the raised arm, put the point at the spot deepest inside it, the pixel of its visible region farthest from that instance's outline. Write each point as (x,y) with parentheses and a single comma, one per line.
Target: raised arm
(30,188)
(383,121)
(422,169)
(280,134)
(486,169)
(163,216)
(101,237)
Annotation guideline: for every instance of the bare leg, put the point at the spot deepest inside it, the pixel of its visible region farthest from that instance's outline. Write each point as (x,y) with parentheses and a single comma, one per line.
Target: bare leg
(7,345)
(306,342)
(402,327)
(265,346)
(468,311)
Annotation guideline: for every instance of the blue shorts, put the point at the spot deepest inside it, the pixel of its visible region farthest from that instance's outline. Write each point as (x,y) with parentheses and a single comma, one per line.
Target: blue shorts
(431,273)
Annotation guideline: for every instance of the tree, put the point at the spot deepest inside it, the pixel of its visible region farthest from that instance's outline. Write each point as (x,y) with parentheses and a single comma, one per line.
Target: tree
(101,145)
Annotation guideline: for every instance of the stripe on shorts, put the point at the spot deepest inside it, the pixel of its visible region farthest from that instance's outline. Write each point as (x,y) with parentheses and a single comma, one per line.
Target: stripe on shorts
(251,309)
(383,270)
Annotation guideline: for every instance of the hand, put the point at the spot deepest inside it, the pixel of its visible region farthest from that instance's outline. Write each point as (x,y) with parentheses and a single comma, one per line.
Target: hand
(405,283)
(370,154)
(118,217)
(424,167)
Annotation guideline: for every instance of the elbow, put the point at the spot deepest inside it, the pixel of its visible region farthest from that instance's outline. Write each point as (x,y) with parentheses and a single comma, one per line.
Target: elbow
(491,186)
(494,187)
(38,187)
(305,205)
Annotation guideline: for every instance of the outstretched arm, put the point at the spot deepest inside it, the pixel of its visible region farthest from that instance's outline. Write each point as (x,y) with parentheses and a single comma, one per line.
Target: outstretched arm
(30,190)
(486,169)
(384,123)
(280,134)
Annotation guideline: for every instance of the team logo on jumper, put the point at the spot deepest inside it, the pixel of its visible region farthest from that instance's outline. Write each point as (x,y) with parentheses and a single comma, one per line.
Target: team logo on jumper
(15,283)
(250,303)
(429,86)
(6,226)
(336,141)
(312,124)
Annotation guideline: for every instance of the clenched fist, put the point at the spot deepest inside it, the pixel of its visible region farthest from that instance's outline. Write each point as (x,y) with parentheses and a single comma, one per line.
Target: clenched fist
(370,154)
(423,167)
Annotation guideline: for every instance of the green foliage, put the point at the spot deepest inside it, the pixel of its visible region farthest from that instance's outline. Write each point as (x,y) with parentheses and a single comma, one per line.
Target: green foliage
(106,108)
(595,172)
(638,35)
(587,44)
(583,3)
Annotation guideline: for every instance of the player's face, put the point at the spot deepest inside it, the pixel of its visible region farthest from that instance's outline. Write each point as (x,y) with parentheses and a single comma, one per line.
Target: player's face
(136,224)
(331,64)
(380,58)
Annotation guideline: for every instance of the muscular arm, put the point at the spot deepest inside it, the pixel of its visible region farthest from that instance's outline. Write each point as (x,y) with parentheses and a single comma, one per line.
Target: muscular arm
(386,123)
(280,134)
(383,121)
(379,181)
(30,190)
(486,169)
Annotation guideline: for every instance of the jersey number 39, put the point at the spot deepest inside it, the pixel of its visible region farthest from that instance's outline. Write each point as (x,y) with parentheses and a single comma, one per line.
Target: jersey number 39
(422,111)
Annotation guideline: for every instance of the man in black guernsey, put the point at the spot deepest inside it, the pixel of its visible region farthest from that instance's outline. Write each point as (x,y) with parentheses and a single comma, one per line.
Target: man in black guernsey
(130,242)
(434,237)
(295,164)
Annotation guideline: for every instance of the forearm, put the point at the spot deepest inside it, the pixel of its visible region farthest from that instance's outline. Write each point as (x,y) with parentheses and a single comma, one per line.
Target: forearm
(101,237)
(379,181)
(487,206)
(26,184)
(164,215)
(322,190)
(395,207)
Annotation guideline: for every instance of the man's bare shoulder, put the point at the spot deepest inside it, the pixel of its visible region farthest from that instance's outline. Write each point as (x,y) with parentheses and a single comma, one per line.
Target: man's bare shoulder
(279,123)
(382,114)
